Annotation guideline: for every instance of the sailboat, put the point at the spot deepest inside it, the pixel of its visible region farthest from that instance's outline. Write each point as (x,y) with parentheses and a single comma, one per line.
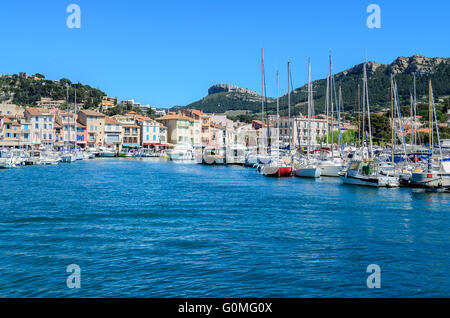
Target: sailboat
(277,167)
(433,179)
(367,172)
(307,168)
(67,156)
(331,166)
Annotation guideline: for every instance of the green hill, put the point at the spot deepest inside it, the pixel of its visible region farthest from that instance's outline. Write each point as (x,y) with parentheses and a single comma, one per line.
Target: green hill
(25,90)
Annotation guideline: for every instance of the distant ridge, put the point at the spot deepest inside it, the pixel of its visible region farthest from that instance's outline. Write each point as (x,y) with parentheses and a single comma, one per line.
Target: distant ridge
(226,97)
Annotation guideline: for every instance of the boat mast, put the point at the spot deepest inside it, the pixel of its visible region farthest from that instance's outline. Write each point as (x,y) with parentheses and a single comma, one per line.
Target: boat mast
(332,107)
(327,104)
(75,121)
(400,118)
(415,113)
(338,114)
(278,111)
(392,118)
(289,102)
(436,120)
(262,99)
(359,116)
(368,112)
(309,107)
(430,119)
(68,112)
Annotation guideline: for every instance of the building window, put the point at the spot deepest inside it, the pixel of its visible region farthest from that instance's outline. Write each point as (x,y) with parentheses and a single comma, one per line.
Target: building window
(36,126)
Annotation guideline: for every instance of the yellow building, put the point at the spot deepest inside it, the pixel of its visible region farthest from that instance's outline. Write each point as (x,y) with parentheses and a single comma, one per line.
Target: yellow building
(180,128)
(95,126)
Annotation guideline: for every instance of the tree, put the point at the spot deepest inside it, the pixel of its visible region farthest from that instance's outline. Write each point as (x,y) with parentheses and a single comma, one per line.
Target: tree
(65,81)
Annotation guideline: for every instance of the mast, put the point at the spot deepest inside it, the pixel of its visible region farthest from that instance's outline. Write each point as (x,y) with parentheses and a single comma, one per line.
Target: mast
(368,112)
(430,119)
(278,111)
(332,108)
(262,98)
(338,114)
(327,105)
(415,112)
(400,118)
(68,112)
(289,102)
(436,120)
(392,118)
(309,107)
(359,116)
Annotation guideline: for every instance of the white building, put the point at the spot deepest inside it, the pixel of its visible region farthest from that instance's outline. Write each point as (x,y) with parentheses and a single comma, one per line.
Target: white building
(150,135)
(299,130)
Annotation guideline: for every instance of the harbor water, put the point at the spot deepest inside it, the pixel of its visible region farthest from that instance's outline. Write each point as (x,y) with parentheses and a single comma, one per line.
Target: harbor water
(146,228)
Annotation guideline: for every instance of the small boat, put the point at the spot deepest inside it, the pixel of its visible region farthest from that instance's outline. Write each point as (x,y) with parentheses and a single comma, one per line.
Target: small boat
(308,171)
(367,173)
(126,154)
(182,152)
(106,153)
(330,167)
(433,180)
(277,169)
(67,157)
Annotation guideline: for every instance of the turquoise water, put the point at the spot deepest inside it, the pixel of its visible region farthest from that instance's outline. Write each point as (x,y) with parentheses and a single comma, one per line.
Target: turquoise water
(159,229)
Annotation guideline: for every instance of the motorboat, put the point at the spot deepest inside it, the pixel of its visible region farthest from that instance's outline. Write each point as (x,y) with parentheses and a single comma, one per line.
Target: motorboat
(367,173)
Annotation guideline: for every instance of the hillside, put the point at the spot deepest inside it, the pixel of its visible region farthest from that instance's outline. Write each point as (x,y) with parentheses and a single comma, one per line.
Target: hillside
(25,90)
(438,69)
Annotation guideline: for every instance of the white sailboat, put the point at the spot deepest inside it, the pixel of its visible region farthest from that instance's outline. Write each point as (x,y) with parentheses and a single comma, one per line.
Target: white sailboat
(308,168)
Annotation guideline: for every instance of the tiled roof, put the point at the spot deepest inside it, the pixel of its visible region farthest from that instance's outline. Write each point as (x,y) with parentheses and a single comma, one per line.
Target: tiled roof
(175,117)
(36,111)
(111,121)
(90,112)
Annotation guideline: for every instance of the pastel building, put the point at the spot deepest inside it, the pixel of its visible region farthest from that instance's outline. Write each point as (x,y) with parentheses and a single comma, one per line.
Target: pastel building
(180,128)
(95,126)
(42,121)
(113,133)
(149,131)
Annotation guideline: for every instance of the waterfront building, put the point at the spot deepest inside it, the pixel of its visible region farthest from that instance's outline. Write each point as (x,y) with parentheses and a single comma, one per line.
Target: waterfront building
(299,130)
(10,109)
(162,134)
(67,122)
(113,133)
(149,131)
(11,131)
(25,132)
(180,128)
(95,126)
(218,136)
(82,135)
(131,135)
(42,121)
(59,139)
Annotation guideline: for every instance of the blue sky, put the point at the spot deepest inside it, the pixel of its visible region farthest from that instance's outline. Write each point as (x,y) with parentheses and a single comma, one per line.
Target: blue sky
(168,53)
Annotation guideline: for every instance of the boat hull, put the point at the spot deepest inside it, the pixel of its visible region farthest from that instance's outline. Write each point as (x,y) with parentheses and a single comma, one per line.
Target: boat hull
(330,170)
(308,172)
(277,172)
(385,182)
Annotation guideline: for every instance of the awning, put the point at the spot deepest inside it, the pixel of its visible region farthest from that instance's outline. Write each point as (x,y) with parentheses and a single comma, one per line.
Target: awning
(131,145)
(155,144)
